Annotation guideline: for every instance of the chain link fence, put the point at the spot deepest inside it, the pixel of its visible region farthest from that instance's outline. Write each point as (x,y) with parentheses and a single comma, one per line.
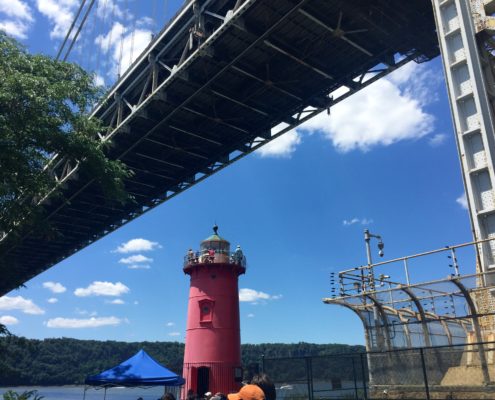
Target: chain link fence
(464,371)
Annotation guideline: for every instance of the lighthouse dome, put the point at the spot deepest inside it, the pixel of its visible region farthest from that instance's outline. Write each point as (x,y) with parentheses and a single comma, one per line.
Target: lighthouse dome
(216,242)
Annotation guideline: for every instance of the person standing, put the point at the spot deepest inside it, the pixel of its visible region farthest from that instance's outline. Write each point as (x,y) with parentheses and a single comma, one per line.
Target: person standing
(238,255)
(266,384)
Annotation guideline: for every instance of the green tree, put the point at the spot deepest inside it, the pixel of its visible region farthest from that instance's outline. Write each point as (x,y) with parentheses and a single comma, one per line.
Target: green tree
(27,395)
(44,110)
(44,113)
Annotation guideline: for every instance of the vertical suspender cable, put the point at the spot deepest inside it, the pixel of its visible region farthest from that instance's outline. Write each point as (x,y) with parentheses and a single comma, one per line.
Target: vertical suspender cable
(131,55)
(100,30)
(89,37)
(165,10)
(110,35)
(153,18)
(122,37)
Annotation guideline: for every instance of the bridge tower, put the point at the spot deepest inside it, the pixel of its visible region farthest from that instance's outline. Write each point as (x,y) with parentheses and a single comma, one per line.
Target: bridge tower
(212,356)
(465,32)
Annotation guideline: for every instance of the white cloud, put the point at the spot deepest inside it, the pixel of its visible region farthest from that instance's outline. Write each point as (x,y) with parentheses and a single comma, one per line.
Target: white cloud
(462,201)
(99,80)
(17,18)
(55,287)
(139,266)
(136,302)
(133,44)
(20,303)
(60,13)
(112,38)
(174,334)
(52,300)
(281,147)
(170,323)
(352,221)
(124,44)
(250,315)
(17,29)
(85,312)
(8,320)
(16,9)
(137,258)
(388,111)
(98,288)
(253,296)
(437,139)
(83,323)
(108,8)
(136,245)
(117,301)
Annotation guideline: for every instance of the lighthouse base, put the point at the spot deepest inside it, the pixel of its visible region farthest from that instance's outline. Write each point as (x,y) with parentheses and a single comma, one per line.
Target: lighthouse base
(211,377)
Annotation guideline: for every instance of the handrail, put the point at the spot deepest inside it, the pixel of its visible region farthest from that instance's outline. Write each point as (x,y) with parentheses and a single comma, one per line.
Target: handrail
(446,248)
(217,257)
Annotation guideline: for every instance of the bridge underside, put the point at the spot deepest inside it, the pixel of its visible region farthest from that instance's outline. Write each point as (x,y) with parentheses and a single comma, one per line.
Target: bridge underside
(208,90)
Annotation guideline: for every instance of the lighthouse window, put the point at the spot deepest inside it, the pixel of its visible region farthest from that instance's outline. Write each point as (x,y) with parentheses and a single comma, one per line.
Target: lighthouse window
(206,310)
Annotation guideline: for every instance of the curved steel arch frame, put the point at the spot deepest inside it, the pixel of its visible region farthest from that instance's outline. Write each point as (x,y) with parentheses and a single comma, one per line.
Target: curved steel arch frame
(367,303)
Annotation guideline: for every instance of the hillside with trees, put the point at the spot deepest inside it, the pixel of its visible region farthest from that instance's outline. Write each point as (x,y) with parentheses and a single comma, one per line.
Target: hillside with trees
(68,361)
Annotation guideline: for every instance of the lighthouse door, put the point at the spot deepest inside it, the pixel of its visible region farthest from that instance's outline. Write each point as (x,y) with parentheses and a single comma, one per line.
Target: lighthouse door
(203,380)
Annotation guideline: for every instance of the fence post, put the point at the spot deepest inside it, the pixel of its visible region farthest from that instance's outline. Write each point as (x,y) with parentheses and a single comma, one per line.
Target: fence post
(355,378)
(363,373)
(309,377)
(425,374)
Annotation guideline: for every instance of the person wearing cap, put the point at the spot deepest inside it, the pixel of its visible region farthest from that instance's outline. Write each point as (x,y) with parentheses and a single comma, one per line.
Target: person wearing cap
(248,392)
(266,384)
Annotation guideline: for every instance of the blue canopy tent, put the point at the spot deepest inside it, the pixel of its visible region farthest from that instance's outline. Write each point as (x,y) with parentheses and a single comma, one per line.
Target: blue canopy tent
(140,370)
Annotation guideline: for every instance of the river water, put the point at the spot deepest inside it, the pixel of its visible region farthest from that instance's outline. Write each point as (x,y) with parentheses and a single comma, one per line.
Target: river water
(76,393)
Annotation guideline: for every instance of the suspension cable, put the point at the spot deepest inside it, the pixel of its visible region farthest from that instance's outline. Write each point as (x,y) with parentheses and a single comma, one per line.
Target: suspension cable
(79,29)
(70,29)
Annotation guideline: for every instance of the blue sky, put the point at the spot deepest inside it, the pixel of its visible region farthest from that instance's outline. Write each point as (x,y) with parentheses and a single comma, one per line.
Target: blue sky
(385,159)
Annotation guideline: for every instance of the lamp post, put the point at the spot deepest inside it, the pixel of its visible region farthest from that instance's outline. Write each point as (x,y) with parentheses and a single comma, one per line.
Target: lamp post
(367,238)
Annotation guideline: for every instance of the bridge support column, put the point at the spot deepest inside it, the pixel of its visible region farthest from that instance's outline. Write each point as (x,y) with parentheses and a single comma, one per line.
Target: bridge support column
(468,77)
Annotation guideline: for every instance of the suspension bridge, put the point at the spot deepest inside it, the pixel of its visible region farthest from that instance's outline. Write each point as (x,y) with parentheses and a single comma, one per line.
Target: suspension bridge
(221,79)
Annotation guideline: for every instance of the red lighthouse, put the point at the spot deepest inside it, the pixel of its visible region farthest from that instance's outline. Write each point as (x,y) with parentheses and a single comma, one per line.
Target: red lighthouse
(212,357)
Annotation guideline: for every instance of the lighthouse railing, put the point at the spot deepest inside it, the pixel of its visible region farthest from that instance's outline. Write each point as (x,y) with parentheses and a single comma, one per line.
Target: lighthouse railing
(217,257)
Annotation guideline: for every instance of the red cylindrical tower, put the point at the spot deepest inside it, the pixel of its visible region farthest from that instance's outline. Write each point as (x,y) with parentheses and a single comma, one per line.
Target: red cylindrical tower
(212,357)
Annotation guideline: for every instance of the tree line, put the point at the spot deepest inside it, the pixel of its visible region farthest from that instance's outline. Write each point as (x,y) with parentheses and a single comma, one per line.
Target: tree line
(68,361)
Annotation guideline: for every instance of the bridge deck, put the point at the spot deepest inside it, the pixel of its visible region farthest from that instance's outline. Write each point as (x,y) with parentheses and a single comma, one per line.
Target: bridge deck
(183,112)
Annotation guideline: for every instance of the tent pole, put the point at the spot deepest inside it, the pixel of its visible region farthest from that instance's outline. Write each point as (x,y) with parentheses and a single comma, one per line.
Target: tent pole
(85,388)
(105,395)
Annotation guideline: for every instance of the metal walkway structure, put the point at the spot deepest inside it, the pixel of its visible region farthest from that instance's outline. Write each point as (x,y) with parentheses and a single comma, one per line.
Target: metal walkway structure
(220,80)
